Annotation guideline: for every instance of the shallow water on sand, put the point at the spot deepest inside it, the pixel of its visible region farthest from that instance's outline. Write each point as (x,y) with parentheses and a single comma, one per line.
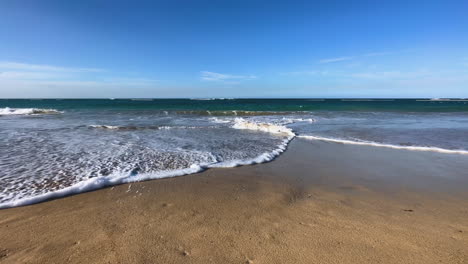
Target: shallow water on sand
(51,152)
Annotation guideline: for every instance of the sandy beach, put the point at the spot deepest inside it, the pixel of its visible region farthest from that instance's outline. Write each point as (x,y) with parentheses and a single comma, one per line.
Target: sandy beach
(233,132)
(319,202)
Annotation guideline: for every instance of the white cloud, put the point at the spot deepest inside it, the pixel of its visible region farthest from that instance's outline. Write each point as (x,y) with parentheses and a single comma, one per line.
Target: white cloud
(41,67)
(392,75)
(78,88)
(347,58)
(31,83)
(34,72)
(214,76)
(331,60)
(24,75)
(30,79)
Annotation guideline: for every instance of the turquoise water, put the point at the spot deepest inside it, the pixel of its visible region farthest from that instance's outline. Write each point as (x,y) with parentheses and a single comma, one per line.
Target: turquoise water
(396,105)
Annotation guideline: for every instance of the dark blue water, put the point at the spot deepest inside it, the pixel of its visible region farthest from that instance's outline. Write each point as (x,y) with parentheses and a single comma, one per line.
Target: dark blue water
(395,105)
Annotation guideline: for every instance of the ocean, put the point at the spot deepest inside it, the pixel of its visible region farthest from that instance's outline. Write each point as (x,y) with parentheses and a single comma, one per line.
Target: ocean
(55,147)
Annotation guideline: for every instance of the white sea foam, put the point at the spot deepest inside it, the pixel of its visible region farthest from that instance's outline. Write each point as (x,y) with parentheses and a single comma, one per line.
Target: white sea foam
(120,178)
(262,158)
(241,123)
(98,183)
(112,157)
(219,121)
(27,111)
(287,121)
(147,127)
(375,144)
(104,126)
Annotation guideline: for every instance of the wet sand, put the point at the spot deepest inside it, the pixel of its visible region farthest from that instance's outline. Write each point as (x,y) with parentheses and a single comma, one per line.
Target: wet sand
(317,203)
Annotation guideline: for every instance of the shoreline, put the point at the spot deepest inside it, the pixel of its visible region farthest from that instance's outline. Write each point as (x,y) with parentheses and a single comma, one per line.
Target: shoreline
(94,184)
(317,202)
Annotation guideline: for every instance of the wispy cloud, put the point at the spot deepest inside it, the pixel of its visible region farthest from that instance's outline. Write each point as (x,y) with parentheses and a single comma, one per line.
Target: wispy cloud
(410,79)
(78,88)
(391,75)
(42,67)
(24,75)
(421,76)
(221,77)
(347,58)
(332,60)
(129,83)
(17,76)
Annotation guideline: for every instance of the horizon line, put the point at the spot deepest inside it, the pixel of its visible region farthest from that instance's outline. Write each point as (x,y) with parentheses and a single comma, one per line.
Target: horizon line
(221,98)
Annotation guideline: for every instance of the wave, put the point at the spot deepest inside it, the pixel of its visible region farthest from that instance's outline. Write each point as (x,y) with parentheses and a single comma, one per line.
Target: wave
(210,99)
(127,177)
(147,127)
(236,112)
(288,121)
(281,122)
(105,126)
(375,144)
(99,183)
(262,158)
(219,121)
(27,111)
(241,123)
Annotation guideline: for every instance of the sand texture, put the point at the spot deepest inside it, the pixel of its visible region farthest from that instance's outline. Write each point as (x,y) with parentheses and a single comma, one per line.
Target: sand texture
(317,203)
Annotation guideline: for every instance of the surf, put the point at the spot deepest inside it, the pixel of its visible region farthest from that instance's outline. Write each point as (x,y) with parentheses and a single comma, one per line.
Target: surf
(383,145)
(27,111)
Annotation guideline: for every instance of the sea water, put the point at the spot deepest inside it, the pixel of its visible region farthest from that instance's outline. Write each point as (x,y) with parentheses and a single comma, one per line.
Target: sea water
(51,148)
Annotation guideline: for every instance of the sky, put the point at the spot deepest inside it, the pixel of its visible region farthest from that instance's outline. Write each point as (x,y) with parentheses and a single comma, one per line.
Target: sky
(233,48)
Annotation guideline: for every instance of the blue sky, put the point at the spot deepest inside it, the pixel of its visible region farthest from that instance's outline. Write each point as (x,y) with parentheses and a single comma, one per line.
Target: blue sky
(233,48)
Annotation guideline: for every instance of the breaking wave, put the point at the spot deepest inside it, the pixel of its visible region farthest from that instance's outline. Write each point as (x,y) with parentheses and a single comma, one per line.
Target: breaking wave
(120,177)
(236,113)
(241,123)
(27,111)
(124,157)
(147,127)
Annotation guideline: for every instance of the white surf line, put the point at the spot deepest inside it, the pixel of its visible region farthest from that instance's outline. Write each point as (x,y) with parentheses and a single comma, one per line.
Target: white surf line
(96,183)
(27,111)
(241,123)
(374,144)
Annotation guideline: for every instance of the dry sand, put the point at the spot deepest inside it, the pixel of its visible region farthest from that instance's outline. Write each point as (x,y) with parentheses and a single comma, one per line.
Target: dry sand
(317,203)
